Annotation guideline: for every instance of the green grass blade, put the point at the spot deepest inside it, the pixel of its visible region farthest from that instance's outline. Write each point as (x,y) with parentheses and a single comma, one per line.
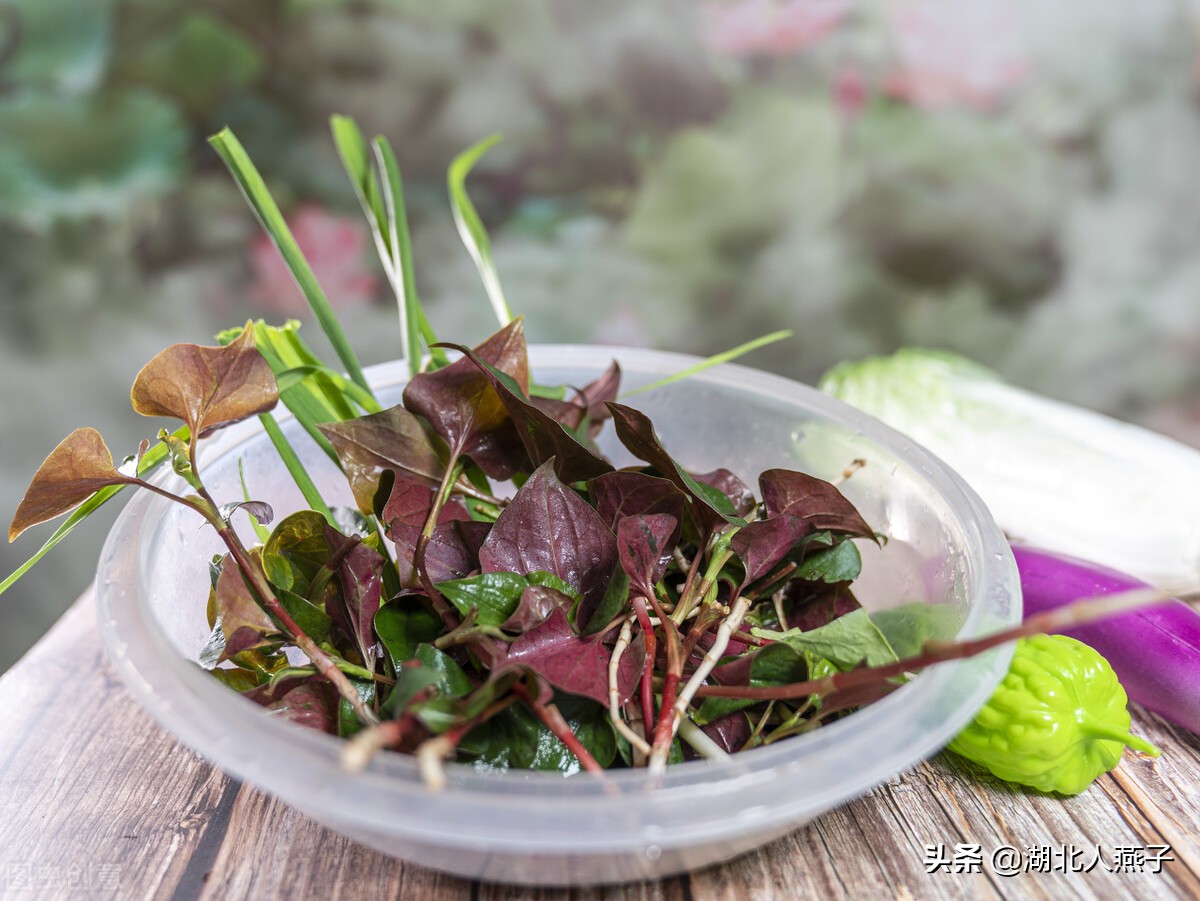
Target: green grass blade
(470,226)
(288,454)
(254,189)
(716,359)
(81,513)
(401,252)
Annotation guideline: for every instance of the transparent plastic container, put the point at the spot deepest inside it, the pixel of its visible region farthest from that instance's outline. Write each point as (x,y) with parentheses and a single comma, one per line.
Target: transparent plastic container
(543,828)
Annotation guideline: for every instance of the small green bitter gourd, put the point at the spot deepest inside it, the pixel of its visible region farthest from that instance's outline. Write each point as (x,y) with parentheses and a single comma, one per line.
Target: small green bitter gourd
(1056,722)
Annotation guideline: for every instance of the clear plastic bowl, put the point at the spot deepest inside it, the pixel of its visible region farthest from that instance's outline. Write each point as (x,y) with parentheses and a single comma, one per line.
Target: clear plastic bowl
(533,827)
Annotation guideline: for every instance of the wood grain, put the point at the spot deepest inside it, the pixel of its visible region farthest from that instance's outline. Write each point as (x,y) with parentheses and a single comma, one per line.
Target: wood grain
(97,801)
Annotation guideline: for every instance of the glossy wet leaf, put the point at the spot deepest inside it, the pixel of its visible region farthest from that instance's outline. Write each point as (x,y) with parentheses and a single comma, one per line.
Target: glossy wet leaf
(206,387)
(495,595)
(548,527)
(80,466)
(360,580)
(612,604)
(347,720)
(316,623)
(297,551)
(464,409)
(516,739)
(817,502)
(371,445)
(449,679)
(402,624)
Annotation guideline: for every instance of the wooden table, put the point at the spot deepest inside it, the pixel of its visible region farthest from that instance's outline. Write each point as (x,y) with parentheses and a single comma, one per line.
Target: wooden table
(98,801)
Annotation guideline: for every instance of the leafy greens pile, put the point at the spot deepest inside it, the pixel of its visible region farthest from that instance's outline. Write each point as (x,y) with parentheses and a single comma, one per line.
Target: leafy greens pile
(596,617)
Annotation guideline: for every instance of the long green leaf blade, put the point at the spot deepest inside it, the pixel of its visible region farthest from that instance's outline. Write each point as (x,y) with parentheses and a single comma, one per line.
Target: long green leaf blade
(254,189)
(470,226)
(299,474)
(401,252)
(723,357)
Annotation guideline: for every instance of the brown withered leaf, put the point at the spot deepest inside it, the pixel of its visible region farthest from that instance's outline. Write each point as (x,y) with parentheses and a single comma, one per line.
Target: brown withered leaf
(206,387)
(75,470)
(371,445)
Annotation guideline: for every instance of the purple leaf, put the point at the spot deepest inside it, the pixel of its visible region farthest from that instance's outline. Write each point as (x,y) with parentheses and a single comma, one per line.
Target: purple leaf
(537,602)
(548,527)
(371,445)
(644,545)
(464,409)
(817,502)
(573,664)
(621,494)
(732,487)
(709,507)
(761,545)
(543,437)
(243,622)
(730,732)
(312,704)
(814,612)
(360,575)
(598,394)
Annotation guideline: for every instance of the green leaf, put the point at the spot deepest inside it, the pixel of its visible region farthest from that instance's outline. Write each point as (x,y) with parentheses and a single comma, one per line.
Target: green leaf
(846,642)
(348,723)
(840,563)
(909,626)
(409,681)
(254,189)
(470,226)
(451,681)
(616,596)
(402,625)
(517,739)
(296,551)
(495,595)
(62,45)
(315,622)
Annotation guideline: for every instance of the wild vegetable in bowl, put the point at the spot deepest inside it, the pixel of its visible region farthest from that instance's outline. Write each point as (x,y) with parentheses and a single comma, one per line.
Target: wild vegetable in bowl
(588,617)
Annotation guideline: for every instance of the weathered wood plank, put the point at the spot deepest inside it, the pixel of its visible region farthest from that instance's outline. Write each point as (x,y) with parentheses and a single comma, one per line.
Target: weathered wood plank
(97,801)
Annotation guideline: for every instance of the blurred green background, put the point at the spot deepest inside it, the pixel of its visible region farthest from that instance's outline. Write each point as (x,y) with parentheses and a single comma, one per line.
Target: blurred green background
(1012,179)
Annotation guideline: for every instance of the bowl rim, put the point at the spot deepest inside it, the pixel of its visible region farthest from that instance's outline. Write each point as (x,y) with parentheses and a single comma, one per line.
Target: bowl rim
(217,724)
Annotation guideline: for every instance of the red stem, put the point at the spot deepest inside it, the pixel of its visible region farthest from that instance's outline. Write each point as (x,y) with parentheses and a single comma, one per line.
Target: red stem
(1075,614)
(553,720)
(647,684)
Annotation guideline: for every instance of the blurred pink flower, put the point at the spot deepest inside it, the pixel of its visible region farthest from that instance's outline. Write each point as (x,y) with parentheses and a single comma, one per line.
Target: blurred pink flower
(772,27)
(955,52)
(850,91)
(335,247)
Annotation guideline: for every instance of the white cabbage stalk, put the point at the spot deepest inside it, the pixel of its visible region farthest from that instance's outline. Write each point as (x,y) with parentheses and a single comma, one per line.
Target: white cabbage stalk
(1054,475)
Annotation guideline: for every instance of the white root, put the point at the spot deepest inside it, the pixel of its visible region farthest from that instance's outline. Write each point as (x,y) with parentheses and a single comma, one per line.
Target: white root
(431,756)
(698,739)
(614,693)
(729,625)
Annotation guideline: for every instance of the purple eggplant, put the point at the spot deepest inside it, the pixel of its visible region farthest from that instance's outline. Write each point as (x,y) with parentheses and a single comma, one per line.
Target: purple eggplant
(1154,651)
